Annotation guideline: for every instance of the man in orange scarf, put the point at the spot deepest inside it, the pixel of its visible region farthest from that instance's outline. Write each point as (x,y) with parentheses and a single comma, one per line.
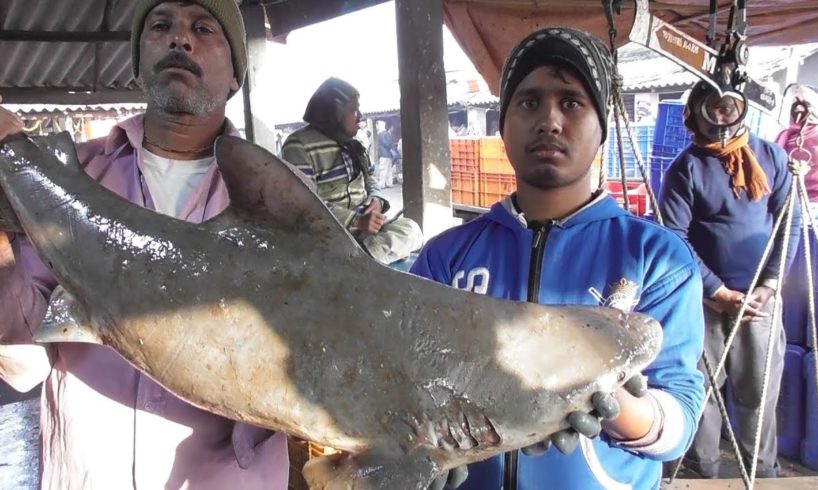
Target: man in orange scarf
(722,194)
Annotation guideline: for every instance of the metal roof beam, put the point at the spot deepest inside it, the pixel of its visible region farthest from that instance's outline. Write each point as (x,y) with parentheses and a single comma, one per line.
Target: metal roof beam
(288,16)
(64,37)
(79,96)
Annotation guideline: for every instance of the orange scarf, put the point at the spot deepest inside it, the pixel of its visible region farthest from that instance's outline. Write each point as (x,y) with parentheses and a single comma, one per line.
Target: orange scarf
(740,164)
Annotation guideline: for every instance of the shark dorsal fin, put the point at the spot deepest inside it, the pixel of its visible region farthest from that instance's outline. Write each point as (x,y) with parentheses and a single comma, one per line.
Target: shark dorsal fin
(271,193)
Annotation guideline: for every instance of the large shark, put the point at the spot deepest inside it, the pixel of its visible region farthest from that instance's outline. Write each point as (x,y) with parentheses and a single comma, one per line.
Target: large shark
(272,314)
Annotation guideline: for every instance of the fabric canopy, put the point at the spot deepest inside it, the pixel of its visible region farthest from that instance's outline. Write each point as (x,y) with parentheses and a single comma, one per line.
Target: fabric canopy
(488,29)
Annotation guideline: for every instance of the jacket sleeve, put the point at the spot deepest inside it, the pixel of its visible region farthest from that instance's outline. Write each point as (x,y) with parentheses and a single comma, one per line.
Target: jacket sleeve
(779,191)
(673,378)
(430,264)
(295,152)
(676,205)
(24,287)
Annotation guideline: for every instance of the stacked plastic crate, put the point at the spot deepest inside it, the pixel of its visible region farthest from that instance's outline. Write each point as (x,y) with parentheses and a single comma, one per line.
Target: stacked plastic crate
(496,173)
(670,138)
(465,161)
(797,404)
(643,134)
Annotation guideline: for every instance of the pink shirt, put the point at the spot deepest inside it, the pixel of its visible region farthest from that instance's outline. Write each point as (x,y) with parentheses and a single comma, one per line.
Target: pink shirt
(105,425)
(787,140)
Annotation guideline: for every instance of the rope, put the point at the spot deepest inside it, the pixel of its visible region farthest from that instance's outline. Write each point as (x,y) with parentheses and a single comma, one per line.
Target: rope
(726,418)
(737,322)
(619,101)
(621,151)
(771,341)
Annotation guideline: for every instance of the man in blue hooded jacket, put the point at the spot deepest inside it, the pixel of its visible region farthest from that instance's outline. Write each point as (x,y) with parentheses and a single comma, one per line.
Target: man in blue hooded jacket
(556,242)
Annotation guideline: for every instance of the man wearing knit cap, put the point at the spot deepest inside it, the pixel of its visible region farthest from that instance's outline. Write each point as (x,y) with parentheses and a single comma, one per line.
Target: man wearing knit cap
(723,194)
(328,153)
(104,424)
(555,241)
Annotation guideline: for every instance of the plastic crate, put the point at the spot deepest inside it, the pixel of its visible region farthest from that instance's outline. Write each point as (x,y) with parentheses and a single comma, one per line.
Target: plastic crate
(809,444)
(464,154)
(794,294)
(493,159)
(670,134)
(790,408)
(643,135)
(465,188)
(658,167)
(494,187)
(637,196)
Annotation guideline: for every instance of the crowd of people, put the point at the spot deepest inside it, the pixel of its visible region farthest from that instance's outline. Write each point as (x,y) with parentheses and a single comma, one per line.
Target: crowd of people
(554,241)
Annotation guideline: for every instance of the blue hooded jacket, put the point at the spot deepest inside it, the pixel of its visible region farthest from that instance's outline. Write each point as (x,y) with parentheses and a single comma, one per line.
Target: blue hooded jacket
(594,249)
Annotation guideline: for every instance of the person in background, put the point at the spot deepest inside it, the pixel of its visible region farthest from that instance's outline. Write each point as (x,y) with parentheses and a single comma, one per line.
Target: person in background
(722,194)
(387,152)
(326,150)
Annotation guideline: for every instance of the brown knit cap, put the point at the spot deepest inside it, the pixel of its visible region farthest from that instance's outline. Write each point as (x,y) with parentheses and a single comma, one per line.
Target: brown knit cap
(225,11)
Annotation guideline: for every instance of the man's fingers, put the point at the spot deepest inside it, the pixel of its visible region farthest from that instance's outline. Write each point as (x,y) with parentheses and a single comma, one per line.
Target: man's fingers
(605,405)
(565,440)
(585,423)
(537,449)
(439,482)
(637,385)
(457,476)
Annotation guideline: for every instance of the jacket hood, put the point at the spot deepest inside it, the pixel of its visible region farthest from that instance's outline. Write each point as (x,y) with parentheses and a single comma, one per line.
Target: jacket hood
(602,207)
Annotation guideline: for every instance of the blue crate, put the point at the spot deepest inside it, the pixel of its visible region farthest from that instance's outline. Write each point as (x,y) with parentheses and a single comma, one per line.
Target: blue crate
(809,444)
(643,135)
(794,294)
(790,408)
(658,167)
(670,132)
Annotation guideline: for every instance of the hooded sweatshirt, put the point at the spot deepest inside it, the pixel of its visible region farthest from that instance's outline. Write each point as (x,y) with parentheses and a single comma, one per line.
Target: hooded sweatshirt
(593,249)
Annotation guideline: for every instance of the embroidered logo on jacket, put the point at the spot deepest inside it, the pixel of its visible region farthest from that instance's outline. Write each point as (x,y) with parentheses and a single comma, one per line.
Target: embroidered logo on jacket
(476,280)
(624,295)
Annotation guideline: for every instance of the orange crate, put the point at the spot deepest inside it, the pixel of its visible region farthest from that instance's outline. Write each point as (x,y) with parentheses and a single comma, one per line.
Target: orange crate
(493,159)
(465,155)
(465,188)
(494,187)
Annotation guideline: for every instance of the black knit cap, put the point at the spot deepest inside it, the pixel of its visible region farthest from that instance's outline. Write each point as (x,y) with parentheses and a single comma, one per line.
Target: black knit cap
(583,52)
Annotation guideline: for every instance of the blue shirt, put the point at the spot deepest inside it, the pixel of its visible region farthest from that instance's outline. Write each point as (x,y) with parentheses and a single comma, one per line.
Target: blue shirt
(595,248)
(727,233)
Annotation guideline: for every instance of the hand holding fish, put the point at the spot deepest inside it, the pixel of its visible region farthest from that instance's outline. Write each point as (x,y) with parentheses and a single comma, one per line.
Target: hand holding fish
(10,124)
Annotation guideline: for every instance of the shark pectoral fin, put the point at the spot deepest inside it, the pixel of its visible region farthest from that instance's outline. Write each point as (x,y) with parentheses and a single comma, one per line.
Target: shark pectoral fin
(368,471)
(64,322)
(273,194)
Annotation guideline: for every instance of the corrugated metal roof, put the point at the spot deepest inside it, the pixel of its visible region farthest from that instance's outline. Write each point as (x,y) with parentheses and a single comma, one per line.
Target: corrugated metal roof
(58,64)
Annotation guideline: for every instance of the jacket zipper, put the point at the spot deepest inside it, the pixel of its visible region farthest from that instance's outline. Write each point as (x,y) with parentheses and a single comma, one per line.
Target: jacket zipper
(534,275)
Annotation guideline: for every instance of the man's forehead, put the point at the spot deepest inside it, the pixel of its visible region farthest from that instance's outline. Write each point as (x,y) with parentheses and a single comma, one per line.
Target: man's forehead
(566,77)
(170,7)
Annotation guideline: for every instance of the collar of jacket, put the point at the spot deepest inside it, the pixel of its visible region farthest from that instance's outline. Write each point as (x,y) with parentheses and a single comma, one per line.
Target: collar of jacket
(601,207)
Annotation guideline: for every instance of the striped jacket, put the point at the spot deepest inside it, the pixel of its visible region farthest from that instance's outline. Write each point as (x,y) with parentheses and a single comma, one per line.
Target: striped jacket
(340,180)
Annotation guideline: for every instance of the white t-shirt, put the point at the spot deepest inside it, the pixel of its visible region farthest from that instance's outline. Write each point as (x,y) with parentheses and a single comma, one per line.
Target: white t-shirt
(171,182)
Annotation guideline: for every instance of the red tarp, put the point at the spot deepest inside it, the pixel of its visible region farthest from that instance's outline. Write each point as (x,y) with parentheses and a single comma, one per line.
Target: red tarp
(488,29)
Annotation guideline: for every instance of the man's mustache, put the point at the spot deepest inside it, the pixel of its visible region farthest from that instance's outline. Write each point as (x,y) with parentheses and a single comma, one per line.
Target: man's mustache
(177,60)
